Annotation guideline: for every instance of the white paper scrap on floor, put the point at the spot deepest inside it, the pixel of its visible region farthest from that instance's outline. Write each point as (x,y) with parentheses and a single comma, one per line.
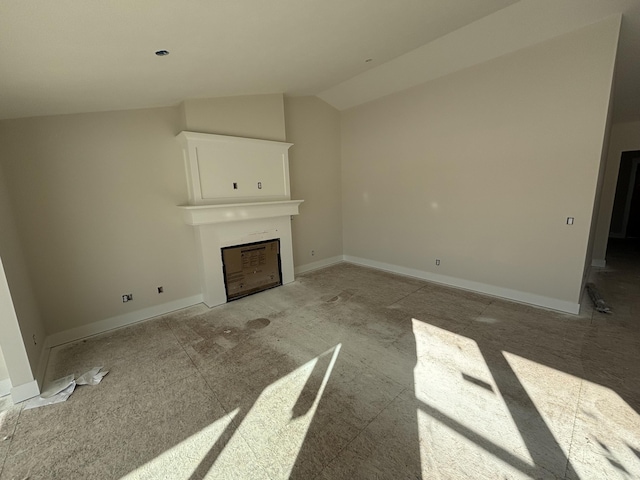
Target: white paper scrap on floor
(60,390)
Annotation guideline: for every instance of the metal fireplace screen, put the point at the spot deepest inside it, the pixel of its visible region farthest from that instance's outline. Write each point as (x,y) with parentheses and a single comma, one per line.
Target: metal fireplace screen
(251,268)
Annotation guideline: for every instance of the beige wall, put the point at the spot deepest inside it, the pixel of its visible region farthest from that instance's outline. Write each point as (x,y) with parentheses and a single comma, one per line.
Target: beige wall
(481,168)
(313,126)
(19,316)
(94,197)
(253,116)
(625,137)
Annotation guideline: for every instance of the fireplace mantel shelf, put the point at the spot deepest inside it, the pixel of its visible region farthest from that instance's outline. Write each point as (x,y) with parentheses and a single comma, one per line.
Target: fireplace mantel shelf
(234,212)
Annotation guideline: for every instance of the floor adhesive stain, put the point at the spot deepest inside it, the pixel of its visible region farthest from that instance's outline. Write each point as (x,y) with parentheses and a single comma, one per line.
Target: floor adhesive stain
(258,323)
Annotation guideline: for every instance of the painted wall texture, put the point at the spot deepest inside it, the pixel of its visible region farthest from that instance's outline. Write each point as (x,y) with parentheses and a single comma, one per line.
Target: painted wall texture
(482,168)
(252,116)
(94,198)
(313,127)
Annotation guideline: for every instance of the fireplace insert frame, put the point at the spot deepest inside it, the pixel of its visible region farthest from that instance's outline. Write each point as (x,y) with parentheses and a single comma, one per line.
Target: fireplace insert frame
(238,283)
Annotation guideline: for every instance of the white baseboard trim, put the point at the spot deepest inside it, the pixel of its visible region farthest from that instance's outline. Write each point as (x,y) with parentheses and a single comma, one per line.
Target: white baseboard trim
(5,387)
(327,262)
(25,391)
(598,262)
(107,324)
(509,294)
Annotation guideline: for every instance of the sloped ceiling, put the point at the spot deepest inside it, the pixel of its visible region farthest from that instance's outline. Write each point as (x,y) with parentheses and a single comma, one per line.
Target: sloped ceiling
(74,56)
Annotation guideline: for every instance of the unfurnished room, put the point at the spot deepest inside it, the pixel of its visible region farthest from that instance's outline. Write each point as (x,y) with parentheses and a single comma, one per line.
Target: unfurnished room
(320,239)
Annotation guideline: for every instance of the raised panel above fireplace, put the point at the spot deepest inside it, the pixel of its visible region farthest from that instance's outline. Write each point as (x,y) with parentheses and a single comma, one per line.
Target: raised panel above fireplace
(224,169)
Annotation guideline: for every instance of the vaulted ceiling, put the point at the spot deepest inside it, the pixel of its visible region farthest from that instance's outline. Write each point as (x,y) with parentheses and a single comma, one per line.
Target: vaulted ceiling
(72,56)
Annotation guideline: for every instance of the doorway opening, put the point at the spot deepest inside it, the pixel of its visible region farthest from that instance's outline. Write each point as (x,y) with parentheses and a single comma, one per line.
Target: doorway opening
(624,232)
(625,217)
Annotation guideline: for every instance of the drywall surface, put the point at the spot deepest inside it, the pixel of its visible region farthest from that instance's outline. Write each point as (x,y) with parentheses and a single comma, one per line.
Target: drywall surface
(625,137)
(20,319)
(481,169)
(313,127)
(94,197)
(252,116)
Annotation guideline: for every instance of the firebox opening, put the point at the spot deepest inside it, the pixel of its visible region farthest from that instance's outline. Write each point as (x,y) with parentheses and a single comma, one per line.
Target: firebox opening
(251,268)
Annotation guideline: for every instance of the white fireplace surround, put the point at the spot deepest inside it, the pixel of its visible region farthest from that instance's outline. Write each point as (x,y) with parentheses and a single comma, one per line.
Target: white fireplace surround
(239,193)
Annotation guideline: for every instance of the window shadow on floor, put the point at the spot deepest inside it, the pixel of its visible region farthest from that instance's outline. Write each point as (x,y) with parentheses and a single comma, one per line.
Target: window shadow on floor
(572,347)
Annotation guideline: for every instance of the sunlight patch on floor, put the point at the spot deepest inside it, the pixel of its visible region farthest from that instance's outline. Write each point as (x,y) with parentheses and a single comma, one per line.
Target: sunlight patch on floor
(549,389)
(181,461)
(277,424)
(603,429)
(607,435)
(268,439)
(460,411)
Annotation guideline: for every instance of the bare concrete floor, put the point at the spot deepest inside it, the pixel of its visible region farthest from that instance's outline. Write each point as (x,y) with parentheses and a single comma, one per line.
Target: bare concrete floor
(349,373)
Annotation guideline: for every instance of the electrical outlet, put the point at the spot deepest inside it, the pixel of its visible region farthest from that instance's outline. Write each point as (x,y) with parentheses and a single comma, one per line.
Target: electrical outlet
(313,252)
(127,297)
(160,289)
(437,261)
(34,339)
